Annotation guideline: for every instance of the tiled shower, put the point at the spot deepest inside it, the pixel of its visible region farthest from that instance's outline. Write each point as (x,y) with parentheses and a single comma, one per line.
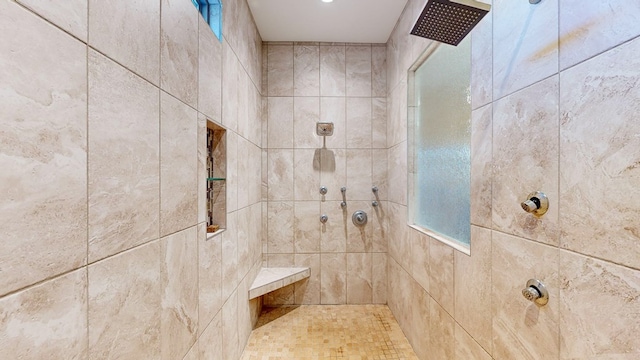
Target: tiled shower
(104,252)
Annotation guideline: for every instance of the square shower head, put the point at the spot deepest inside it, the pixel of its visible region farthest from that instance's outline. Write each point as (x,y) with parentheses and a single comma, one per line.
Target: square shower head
(449,21)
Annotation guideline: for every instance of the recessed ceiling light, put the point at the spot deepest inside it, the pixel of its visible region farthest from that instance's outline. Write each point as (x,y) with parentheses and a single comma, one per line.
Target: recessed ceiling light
(327,1)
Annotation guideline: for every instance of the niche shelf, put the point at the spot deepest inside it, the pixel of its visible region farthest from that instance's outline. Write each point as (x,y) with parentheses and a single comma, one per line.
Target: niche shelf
(216,178)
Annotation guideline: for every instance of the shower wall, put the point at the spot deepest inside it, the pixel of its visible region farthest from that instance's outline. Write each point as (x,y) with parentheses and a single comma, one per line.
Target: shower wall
(103,248)
(344,84)
(554,92)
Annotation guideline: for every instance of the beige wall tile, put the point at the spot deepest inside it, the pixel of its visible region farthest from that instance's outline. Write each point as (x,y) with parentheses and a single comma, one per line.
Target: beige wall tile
(380,227)
(359,278)
(397,115)
(359,123)
(306,174)
(306,113)
(232,171)
(359,175)
(522,123)
(398,173)
(280,173)
(249,160)
(280,70)
(441,274)
(307,291)
(179,321)
(481,170)
(280,227)
(244,249)
(472,297)
(179,50)
(209,277)
(210,342)
(379,278)
(420,259)
(332,71)
(588,286)
(136,25)
(333,172)
(521,329)
(46,321)
(69,15)
(230,339)
(379,123)
(524,51)
(599,159)
(193,353)
(333,288)
(125,305)
(178,165)
(230,256)
(231,86)
(359,238)
(306,226)
(209,72)
(333,109)
(306,70)
(467,348)
(399,246)
(44,105)
(280,122)
(358,70)
(482,62)
(379,71)
(441,332)
(420,310)
(333,237)
(240,31)
(124,159)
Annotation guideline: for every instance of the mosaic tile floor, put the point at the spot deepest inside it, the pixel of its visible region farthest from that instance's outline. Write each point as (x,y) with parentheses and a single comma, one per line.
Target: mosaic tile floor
(328,332)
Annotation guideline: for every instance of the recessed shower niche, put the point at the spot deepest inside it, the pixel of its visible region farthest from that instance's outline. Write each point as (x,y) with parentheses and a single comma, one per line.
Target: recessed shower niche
(216,178)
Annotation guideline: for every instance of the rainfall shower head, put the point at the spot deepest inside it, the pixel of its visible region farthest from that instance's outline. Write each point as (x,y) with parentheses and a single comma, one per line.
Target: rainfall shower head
(449,21)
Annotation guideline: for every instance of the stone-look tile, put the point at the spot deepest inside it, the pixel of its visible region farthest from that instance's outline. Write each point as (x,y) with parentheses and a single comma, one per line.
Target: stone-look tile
(441,332)
(332,71)
(230,255)
(230,328)
(482,61)
(393,298)
(591,28)
(399,49)
(359,121)
(379,123)
(521,329)
(306,70)
(280,172)
(359,278)
(193,352)
(123,160)
(306,227)
(203,153)
(232,171)
(244,250)
(210,342)
(420,244)
(333,109)
(472,274)
(524,52)
(481,171)
(306,113)
(240,30)
(249,184)
(467,348)
(522,125)
(399,246)
(46,321)
(244,313)
(209,276)
(69,15)
(280,122)
(333,237)
(359,175)
(307,291)
(280,227)
(178,270)
(333,172)
(380,227)
(358,70)
(44,105)
(136,26)
(441,274)
(380,173)
(179,50)
(306,174)
(359,238)
(231,78)
(587,286)
(285,295)
(397,120)
(333,279)
(256,232)
(379,71)
(125,305)
(209,72)
(280,70)
(599,159)
(178,165)
(397,165)
(379,278)
(420,313)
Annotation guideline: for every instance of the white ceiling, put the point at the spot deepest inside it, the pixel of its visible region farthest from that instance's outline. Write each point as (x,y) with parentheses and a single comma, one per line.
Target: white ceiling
(356,21)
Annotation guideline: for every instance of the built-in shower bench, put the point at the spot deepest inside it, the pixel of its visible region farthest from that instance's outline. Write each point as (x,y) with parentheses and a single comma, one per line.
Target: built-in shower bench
(270,279)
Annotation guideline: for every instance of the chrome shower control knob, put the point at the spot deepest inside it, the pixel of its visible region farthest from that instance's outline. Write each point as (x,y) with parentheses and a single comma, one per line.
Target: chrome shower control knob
(374,204)
(374,189)
(359,218)
(536,203)
(536,292)
(323,190)
(324,218)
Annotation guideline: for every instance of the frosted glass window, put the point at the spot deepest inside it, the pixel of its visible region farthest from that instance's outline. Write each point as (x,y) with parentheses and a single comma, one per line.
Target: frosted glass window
(211,11)
(442,137)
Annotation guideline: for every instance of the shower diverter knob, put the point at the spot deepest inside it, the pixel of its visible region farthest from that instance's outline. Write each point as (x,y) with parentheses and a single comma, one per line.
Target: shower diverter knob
(536,203)
(536,292)
(359,218)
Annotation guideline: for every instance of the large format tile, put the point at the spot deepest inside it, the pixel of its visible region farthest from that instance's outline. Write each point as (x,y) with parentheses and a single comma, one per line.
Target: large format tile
(358,70)
(179,50)
(136,26)
(522,329)
(209,276)
(306,174)
(333,281)
(210,342)
(47,321)
(125,294)
(280,123)
(69,15)
(587,287)
(332,71)
(306,227)
(280,174)
(359,278)
(482,62)
(524,51)
(525,125)
(280,227)
(379,277)
(209,72)
(467,348)
(123,158)
(589,28)
(279,70)
(178,165)
(333,110)
(441,274)
(306,70)
(359,123)
(179,271)
(333,233)
(230,339)
(481,171)
(441,332)
(359,175)
(379,71)
(599,156)
(232,73)
(306,113)
(43,187)
(307,291)
(230,255)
